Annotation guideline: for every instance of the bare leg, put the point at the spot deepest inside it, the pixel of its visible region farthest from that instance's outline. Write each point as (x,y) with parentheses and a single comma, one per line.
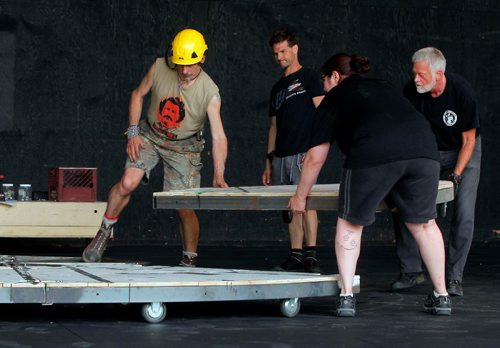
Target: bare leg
(190,229)
(296,232)
(311,227)
(347,248)
(118,199)
(119,195)
(430,243)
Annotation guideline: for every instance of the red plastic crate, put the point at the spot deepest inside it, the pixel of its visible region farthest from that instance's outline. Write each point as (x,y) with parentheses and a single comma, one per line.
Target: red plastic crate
(73,184)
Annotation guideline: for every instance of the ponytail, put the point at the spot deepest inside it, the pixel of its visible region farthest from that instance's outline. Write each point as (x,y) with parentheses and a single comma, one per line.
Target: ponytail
(359,64)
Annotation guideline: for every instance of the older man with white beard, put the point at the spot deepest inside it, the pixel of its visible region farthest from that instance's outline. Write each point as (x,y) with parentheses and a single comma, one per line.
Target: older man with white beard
(448,102)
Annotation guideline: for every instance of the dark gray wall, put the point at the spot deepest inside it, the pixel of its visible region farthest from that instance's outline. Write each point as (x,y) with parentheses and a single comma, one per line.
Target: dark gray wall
(67,69)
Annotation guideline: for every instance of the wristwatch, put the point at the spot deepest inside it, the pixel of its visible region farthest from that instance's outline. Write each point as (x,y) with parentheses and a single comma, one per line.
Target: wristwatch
(270,156)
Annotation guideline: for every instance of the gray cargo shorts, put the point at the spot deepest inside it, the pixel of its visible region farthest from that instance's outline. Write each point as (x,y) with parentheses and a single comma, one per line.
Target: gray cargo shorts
(181,162)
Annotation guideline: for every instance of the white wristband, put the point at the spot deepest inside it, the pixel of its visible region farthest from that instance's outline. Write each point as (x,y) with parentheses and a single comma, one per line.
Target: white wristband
(132,131)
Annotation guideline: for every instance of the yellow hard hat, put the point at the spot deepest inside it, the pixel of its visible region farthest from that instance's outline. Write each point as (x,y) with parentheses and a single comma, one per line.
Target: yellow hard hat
(188,47)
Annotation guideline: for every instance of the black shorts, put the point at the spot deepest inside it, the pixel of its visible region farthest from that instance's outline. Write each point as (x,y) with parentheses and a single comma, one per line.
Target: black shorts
(411,185)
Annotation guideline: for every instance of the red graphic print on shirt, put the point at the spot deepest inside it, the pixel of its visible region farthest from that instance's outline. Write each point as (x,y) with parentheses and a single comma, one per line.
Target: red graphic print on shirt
(171,112)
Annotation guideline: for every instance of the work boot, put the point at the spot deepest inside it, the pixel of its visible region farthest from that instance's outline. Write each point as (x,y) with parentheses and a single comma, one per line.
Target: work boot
(455,288)
(93,252)
(440,305)
(407,281)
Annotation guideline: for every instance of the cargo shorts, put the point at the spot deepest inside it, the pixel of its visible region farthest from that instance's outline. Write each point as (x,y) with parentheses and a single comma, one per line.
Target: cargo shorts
(181,161)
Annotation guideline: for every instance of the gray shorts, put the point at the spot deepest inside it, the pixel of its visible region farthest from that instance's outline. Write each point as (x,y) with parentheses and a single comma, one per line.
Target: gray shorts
(287,170)
(181,162)
(410,185)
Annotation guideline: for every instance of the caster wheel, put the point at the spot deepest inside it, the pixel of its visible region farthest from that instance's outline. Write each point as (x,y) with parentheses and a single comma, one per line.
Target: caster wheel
(154,312)
(290,307)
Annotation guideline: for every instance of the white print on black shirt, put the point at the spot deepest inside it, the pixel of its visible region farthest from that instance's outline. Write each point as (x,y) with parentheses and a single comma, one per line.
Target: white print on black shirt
(449,118)
(279,99)
(295,88)
(295,85)
(296,93)
(292,90)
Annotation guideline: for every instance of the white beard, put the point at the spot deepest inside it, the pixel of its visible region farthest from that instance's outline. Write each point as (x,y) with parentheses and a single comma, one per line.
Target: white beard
(428,87)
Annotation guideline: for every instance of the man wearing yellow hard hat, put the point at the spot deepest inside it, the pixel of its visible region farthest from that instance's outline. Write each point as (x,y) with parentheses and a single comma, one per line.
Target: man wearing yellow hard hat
(182,97)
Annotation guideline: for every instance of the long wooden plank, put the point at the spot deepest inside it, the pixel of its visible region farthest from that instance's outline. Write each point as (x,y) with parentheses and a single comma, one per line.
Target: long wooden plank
(43,213)
(322,197)
(43,219)
(48,231)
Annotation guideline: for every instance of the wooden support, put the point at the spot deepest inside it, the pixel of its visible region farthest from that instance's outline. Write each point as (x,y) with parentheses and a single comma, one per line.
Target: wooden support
(43,219)
(322,197)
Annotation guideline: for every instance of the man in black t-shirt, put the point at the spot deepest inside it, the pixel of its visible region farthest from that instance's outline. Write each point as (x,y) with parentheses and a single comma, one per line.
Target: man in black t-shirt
(448,103)
(292,105)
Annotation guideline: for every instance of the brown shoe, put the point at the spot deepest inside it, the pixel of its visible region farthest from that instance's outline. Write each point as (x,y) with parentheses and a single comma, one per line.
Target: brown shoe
(188,261)
(93,252)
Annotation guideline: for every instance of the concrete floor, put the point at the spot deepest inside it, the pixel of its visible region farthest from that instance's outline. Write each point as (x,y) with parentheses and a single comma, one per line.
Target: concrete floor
(383,318)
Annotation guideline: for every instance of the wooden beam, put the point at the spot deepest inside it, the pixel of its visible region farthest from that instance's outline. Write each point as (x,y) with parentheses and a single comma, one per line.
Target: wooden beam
(322,197)
(43,219)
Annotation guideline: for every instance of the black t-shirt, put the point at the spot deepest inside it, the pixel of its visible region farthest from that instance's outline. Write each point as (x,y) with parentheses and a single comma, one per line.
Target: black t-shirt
(291,103)
(452,113)
(373,124)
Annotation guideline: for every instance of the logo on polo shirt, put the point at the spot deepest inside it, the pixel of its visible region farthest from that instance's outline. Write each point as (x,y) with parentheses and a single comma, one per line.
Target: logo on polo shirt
(449,118)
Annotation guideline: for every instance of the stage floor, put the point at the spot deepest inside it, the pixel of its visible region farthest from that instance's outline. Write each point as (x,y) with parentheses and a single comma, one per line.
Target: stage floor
(383,318)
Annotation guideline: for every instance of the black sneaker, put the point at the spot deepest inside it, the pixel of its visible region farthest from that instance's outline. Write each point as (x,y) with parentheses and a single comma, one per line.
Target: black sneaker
(455,288)
(440,305)
(310,261)
(293,263)
(93,252)
(346,306)
(407,281)
(311,264)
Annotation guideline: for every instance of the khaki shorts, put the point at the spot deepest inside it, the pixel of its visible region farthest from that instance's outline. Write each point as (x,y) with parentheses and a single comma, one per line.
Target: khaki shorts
(181,162)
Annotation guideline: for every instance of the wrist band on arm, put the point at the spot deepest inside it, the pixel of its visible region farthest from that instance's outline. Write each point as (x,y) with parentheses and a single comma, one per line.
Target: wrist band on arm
(132,131)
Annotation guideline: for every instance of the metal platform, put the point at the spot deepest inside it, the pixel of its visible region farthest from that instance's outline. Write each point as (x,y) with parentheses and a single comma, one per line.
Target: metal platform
(50,283)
